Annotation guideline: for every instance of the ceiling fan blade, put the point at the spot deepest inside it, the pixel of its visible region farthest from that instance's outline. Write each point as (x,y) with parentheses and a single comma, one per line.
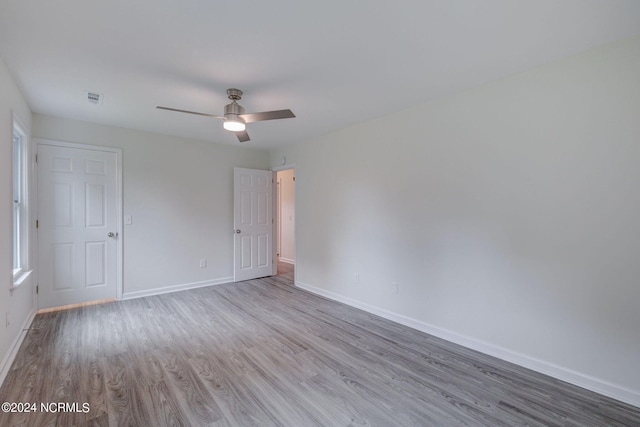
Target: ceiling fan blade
(190,112)
(243,136)
(267,115)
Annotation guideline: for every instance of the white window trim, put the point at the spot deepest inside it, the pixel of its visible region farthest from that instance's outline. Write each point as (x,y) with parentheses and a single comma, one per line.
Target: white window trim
(23,271)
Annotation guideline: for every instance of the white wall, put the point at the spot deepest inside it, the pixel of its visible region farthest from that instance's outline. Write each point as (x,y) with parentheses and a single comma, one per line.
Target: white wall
(508,215)
(19,303)
(287,215)
(179,193)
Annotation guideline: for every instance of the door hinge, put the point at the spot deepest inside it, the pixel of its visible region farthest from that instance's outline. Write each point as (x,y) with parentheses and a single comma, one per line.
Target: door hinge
(36,158)
(37,223)
(294,179)
(37,289)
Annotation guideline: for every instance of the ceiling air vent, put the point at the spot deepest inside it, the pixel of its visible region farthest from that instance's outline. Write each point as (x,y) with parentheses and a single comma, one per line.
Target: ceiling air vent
(94,98)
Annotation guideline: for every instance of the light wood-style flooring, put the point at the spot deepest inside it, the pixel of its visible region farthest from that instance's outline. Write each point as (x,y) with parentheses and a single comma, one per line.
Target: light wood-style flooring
(263,352)
(286,272)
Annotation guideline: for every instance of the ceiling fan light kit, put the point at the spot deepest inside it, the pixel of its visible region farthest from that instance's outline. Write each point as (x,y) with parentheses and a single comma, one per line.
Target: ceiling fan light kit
(235,119)
(234,125)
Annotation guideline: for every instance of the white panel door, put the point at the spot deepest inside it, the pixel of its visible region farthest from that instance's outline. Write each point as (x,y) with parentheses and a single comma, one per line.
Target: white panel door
(253,223)
(77,225)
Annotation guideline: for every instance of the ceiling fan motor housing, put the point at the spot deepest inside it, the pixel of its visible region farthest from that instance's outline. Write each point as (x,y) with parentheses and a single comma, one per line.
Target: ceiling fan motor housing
(233,110)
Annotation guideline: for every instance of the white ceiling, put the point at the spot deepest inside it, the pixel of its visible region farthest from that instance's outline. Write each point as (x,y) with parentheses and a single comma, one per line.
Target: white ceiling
(333,62)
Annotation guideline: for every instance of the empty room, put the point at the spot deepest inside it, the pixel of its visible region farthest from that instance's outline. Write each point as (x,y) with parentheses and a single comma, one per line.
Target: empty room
(237,213)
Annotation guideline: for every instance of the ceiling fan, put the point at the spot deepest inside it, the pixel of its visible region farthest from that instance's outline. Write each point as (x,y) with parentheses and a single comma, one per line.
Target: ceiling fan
(235,119)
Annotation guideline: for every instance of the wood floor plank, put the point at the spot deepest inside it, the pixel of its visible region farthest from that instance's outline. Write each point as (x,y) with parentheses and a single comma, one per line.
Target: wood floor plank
(190,392)
(263,352)
(165,408)
(127,398)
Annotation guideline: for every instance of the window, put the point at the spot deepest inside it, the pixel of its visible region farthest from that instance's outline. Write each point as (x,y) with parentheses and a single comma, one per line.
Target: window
(20,216)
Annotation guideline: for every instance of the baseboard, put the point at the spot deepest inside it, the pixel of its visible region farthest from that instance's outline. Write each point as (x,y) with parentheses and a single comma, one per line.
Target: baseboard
(614,391)
(15,346)
(288,261)
(175,288)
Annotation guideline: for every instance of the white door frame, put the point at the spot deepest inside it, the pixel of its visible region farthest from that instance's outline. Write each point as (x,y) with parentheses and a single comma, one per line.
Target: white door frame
(277,215)
(119,200)
(295,224)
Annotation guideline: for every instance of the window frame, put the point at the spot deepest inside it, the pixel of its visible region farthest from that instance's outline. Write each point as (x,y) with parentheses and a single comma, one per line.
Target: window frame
(20,199)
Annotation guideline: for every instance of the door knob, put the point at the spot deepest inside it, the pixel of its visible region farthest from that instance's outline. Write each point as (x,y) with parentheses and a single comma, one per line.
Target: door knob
(111,234)
(237,231)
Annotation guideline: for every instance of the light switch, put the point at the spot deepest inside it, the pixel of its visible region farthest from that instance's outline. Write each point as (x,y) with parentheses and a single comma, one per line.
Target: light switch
(127,220)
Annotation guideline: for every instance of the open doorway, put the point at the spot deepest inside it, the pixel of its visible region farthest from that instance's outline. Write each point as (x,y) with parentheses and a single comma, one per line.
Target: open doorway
(285,233)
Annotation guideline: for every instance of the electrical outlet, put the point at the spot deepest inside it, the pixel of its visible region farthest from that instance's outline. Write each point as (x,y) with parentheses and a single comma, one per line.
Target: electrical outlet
(394,288)
(203,263)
